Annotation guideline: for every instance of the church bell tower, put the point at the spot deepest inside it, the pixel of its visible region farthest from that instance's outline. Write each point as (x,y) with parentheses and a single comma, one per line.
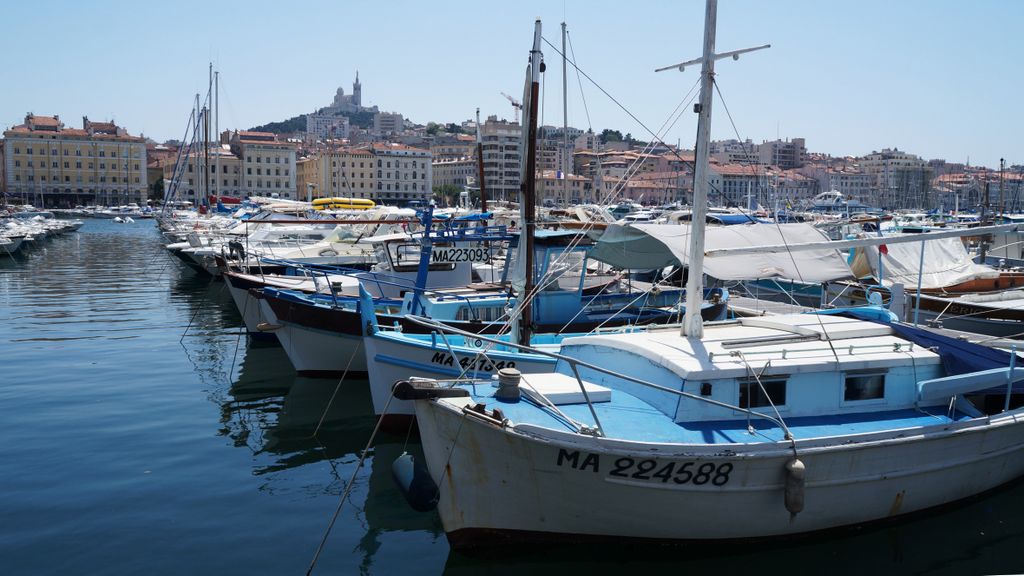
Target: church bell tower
(357,92)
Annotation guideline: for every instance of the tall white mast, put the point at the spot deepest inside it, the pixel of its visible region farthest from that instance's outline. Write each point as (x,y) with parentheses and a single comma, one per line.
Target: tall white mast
(692,322)
(565,124)
(216,130)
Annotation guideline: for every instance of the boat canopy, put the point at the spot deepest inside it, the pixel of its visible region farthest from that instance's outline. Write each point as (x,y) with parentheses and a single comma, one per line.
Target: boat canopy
(946,263)
(651,246)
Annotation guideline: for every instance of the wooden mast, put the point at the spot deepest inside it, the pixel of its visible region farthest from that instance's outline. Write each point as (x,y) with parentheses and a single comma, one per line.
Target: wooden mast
(480,164)
(528,190)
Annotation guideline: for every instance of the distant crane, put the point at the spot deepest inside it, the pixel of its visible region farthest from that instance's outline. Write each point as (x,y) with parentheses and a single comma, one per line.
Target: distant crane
(516,105)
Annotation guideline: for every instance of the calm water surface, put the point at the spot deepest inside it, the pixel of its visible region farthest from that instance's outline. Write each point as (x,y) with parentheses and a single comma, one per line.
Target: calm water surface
(141,433)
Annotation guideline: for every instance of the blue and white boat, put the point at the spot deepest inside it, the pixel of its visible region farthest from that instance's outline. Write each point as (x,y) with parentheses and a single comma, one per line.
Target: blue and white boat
(751,429)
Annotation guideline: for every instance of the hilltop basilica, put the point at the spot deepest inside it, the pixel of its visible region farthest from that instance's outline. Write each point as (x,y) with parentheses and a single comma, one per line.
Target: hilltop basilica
(349,103)
(330,121)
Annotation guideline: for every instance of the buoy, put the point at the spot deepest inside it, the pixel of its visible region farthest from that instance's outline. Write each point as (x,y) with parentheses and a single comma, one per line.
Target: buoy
(508,385)
(795,474)
(414,482)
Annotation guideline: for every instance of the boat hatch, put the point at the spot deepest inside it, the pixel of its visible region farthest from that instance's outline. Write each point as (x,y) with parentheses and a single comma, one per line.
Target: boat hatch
(560,389)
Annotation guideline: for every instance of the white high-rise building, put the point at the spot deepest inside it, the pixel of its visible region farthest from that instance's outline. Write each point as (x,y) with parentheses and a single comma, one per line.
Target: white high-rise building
(327,126)
(502,157)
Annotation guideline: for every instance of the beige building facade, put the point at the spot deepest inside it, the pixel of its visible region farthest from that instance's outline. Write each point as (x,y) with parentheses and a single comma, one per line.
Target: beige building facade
(50,165)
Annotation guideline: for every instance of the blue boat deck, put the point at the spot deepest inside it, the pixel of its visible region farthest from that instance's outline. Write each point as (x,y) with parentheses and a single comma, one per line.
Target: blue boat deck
(629,418)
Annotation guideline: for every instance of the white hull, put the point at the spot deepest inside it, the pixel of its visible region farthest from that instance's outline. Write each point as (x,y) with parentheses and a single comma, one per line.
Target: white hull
(389,360)
(248,307)
(558,484)
(317,352)
(12,246)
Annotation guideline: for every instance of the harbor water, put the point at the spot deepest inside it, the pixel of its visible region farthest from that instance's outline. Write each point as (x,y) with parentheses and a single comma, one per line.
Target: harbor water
(142,432)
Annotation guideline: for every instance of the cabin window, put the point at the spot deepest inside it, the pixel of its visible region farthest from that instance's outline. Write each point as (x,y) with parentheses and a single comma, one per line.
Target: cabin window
(864,386)
(753,396)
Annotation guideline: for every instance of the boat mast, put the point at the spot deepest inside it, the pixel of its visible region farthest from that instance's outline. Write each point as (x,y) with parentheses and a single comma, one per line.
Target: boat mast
(566,154)
(528,189)
(480,164)
(216,131)
(206,135)
(692,321)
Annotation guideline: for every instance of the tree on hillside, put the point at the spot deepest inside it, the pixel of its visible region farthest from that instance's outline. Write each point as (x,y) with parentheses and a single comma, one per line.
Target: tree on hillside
(609,135)
(289,126)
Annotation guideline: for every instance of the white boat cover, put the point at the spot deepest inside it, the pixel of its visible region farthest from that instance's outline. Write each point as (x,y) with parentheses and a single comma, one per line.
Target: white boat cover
(946,262)
(651,246)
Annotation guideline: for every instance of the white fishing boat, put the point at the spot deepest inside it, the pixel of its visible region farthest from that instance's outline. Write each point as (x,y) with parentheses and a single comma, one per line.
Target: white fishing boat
(750,429)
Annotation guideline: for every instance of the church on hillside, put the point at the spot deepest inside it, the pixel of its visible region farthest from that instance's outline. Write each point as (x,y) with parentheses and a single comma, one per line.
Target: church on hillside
(329,122)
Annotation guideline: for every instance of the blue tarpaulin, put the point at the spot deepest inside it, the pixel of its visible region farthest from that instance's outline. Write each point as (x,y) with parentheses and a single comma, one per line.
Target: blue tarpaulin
(958,356)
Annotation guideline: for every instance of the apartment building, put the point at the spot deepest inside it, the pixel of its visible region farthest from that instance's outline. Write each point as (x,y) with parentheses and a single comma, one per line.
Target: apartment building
(50,165)
(268,163)
(404,173)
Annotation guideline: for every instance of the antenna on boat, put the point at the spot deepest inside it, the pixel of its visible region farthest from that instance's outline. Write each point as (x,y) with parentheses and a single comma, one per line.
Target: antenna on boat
(692,322)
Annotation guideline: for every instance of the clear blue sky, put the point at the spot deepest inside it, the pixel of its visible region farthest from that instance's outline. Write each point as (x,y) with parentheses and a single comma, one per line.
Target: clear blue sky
(937,78)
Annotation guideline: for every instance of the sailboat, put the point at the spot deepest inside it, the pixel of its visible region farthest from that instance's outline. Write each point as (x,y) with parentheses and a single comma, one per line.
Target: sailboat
(755,428)
(548,308)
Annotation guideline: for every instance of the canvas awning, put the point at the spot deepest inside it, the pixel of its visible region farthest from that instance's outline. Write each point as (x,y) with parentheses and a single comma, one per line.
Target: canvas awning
(946,262)
(650,246)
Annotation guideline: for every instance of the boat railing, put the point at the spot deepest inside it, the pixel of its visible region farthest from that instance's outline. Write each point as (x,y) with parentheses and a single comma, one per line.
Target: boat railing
(576,363)
(467,299)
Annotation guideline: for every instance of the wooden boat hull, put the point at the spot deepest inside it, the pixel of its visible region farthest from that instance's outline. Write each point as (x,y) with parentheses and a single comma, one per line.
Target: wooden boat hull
(501,482)
(950,313)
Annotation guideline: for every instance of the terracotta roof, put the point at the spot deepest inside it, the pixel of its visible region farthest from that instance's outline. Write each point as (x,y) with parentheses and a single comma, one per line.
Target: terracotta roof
(250,134)
(662,175)
(45,121)
(402,147)
(739,169)
(649,184)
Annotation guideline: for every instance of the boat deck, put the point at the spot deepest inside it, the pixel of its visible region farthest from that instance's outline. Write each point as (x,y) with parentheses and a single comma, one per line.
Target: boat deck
(628,418)
(747,306)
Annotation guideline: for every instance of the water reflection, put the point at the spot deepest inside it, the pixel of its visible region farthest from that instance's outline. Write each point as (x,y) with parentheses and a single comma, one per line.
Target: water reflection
(290,422)
(980,536)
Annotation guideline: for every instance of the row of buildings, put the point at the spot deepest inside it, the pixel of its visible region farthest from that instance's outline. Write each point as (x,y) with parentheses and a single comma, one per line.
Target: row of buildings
(45,162)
